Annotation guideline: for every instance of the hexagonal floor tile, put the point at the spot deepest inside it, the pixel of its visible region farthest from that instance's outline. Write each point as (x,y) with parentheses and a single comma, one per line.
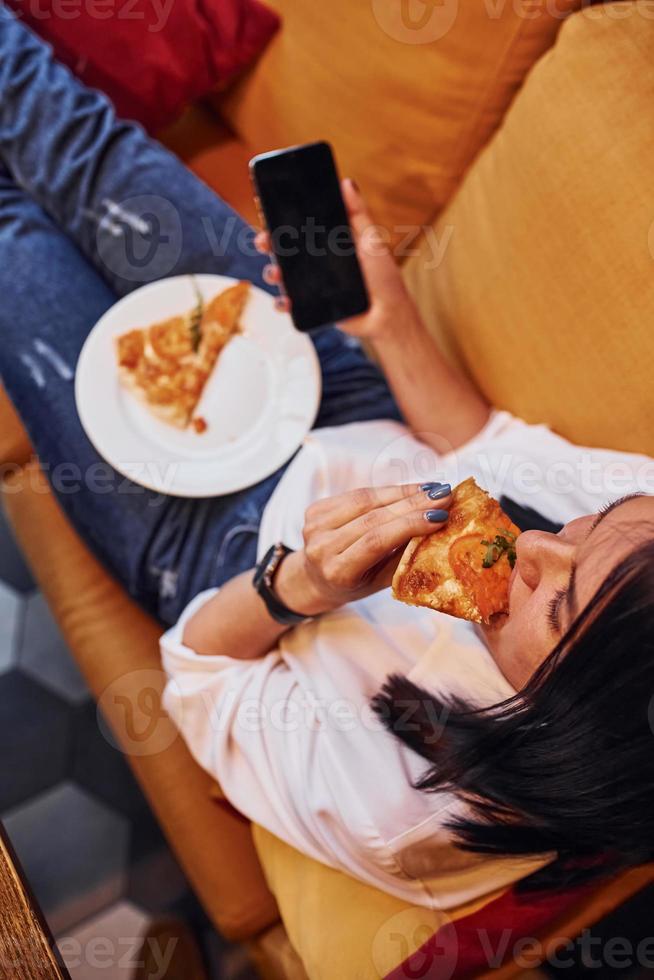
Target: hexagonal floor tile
(107,946)
(13,568)
(44,655)
(35,738)
(100,768)
(73,850)
(11,617)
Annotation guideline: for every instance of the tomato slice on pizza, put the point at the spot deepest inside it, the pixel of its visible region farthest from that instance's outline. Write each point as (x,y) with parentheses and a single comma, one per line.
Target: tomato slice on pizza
(463,569)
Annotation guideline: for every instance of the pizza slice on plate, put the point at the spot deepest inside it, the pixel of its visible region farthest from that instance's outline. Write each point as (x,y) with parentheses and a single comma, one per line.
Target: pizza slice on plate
(220,319)
(464,569)
(167,365)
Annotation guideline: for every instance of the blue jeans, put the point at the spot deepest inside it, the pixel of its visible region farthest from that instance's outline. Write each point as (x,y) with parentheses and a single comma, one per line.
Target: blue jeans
(90,209)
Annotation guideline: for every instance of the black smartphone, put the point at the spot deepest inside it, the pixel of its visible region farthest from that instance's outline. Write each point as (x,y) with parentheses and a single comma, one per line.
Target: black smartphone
(299,199)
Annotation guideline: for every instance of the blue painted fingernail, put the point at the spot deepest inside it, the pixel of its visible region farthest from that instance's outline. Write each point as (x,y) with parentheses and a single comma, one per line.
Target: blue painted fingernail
(439,492)
(430,486)
(436,516)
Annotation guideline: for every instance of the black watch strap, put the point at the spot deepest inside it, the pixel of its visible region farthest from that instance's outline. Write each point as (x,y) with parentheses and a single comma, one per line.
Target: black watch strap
(263,581)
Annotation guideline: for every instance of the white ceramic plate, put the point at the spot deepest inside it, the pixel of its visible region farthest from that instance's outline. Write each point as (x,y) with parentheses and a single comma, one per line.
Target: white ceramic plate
(261,400)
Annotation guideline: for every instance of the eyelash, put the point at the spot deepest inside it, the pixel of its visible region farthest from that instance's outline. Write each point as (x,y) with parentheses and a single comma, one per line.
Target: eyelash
(603,511)
(607,508)
(553,608)
(554,605)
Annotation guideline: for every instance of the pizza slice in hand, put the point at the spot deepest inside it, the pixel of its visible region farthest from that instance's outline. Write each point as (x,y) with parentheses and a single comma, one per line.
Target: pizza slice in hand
(464,569)
(167,365)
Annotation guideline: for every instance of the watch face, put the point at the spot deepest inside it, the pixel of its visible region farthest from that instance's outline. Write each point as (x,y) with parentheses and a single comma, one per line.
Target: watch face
(263,580)
(273,565)
(261,576)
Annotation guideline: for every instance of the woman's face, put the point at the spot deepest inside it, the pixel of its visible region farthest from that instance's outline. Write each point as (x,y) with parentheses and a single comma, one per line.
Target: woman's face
(555,576)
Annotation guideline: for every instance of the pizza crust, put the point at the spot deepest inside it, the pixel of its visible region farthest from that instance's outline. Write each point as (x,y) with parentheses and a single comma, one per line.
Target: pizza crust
(445,570)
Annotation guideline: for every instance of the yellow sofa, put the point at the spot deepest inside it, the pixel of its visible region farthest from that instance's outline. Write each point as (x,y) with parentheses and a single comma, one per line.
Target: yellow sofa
(506,149)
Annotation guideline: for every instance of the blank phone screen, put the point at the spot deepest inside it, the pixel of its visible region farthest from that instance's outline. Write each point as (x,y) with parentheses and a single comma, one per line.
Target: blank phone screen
(300,197)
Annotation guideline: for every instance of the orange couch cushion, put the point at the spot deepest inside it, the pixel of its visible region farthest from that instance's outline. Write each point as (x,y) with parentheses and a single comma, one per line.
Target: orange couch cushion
(116,646)
(407,92)
(343,928)
(545,293)
(339,926)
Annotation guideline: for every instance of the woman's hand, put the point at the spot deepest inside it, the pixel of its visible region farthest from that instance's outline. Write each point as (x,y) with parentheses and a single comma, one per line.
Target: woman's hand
(353,544)
(390,303)
(439,404)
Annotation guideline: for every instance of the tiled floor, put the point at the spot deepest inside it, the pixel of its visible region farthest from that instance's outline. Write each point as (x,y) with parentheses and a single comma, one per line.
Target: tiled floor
(82,830)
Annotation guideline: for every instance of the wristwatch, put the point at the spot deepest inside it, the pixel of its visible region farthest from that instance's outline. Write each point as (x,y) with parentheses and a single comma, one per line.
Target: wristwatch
(263,581)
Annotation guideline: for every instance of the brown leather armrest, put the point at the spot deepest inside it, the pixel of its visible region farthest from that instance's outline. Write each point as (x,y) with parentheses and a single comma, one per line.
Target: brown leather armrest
(15,447)
(116,646)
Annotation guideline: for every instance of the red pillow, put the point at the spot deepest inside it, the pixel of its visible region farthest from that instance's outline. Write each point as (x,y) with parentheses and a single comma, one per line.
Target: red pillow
(152,57)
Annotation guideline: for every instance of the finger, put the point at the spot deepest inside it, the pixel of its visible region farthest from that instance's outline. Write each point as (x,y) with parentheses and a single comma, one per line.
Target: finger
(413,507)
(372,245)
(272,274)
(379,544)
(368,236)
(334,512)
(262,242)
(360,217)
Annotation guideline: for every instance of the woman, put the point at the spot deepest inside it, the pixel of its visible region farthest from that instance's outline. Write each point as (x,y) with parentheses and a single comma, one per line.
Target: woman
(535,733)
